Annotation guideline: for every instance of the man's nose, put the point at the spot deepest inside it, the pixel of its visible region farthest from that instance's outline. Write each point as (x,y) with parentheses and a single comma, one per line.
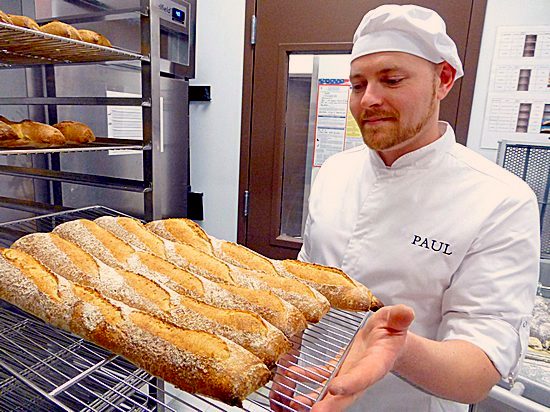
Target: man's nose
(372,96)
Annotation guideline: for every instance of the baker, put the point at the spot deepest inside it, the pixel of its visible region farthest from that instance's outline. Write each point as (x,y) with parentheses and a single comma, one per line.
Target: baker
(425,223)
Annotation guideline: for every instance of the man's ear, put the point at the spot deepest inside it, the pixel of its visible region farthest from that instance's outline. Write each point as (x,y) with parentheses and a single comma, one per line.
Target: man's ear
(446,74)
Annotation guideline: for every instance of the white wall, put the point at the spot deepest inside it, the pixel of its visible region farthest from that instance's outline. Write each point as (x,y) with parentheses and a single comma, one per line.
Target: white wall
(215,127)
(499,13)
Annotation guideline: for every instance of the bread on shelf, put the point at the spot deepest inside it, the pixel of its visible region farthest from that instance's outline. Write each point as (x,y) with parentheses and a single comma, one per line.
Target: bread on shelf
(24,21)
(195,361)
(311,303)
(5,18)
(68,260)
(59,28)
(341,291)
(75,132)
(90,36)
(7,132)
(114,252)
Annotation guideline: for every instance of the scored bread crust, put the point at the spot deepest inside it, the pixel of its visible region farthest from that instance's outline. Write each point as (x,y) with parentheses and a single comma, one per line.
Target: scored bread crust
(68,260)
(343,293)
(311,303)
(341,290)
(195,361)
(5,18)
(181,230)
(103,245)
(350,296)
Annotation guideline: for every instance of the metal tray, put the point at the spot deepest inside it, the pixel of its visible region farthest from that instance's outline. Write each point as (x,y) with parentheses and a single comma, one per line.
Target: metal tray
(45,369)
(100,144)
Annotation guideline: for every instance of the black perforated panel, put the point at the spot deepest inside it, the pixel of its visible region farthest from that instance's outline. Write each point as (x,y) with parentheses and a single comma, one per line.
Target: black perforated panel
(532,164)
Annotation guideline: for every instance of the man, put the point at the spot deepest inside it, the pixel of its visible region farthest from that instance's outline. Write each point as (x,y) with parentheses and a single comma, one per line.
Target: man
(426,223)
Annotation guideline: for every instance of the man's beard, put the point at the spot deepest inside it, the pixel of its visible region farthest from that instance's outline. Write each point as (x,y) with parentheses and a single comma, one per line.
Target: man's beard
(391,132)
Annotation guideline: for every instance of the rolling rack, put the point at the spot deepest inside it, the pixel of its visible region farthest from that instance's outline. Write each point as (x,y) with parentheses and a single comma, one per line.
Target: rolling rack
(41,53)
(46,369)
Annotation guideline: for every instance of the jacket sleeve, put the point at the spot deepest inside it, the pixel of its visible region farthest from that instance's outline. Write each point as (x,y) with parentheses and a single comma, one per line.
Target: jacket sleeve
(491,296)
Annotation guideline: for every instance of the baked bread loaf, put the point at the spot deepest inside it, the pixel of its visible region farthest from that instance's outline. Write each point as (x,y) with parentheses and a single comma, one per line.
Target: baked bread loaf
(24,21)
(35,132)
(4,18)
(195,361)
(68,260)
(341,291)
(183,231)
(7,132)
(59,28)
(90,36)
(311,303)
(75,132)
(108,248)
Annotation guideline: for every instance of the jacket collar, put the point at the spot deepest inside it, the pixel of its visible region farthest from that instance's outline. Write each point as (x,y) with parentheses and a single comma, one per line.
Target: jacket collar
(421,158)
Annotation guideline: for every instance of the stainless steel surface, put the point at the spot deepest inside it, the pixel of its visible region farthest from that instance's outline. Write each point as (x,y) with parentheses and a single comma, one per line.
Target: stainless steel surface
(22,46)
(146,38)
(45,369)
(100,144)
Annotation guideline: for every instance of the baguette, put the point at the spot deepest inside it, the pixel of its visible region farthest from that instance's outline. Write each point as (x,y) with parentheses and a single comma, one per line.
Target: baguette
(23,21)
(311,303)
(183,231)
(195,361)
(68,260)
(75,132)
(90,36)
(7,132)
(5,18)
(59,28)
(341,291)
(114,252)
(35,132)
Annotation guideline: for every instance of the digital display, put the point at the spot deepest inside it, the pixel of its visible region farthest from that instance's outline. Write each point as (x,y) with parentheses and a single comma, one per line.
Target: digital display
(178,15)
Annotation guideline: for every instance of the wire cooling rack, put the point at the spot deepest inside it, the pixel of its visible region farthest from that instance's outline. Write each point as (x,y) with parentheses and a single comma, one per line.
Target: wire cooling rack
(43,368)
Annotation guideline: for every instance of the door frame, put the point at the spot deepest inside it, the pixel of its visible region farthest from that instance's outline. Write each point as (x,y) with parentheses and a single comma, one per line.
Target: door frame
(466,94)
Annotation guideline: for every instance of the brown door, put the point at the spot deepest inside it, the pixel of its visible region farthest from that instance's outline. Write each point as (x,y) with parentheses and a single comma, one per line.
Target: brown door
(275,169)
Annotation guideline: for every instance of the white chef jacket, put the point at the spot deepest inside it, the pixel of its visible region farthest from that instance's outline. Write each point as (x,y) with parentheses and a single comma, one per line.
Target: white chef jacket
(443,230)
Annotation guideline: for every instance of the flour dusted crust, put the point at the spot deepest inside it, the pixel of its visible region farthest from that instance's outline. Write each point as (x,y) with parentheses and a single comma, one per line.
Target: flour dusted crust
(312,304)
(346,293)
(182,230)
(106,247)
(68,260)
(342,291)
(193,360)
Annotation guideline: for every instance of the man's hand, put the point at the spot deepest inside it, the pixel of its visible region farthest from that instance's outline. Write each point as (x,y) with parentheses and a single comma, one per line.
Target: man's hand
(372,355)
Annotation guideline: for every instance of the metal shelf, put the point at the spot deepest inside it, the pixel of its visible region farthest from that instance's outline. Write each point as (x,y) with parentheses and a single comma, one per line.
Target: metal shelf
(43,368)
(22,46)
(100,144)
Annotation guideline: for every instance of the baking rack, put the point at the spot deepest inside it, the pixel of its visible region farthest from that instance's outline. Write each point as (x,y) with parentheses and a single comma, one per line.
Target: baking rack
(43,368)
(22,46)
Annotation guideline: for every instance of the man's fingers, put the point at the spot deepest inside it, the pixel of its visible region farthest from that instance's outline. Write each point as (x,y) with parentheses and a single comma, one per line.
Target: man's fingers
(400,317)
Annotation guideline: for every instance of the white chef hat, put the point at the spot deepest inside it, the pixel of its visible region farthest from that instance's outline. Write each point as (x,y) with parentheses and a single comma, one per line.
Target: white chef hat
(410,29)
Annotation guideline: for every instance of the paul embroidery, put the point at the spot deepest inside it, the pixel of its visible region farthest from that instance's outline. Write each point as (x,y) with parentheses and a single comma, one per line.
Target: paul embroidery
(432,244)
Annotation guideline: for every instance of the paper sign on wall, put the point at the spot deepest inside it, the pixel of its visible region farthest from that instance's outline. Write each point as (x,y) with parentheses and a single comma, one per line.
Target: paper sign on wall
(518,101)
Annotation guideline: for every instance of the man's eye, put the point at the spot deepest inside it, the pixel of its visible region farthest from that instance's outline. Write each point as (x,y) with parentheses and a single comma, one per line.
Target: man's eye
(393,81)
(357,87)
